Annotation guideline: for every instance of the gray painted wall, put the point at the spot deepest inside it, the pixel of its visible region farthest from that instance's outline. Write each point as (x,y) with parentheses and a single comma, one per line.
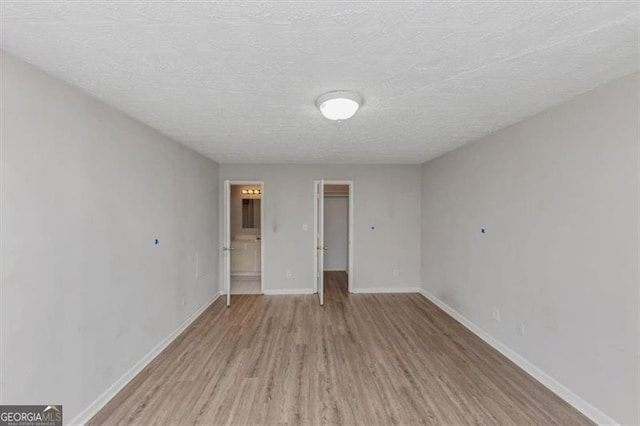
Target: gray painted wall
(86,293)
(558,197)
(288,204)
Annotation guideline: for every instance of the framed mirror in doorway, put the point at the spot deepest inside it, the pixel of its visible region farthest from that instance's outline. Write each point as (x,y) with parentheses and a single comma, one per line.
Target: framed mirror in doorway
(250,213)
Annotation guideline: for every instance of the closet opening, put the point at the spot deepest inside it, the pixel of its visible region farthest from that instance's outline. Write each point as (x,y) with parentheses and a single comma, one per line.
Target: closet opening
(333,238)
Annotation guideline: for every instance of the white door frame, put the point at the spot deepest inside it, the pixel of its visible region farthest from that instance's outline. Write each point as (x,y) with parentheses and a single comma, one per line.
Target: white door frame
(225,237)
(351,233)
(318,234)
(228,212)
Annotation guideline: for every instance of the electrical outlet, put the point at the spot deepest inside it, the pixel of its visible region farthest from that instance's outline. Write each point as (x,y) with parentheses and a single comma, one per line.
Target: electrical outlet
(305,227)
(496,314)
(396,272)
(289,275)
(520,329)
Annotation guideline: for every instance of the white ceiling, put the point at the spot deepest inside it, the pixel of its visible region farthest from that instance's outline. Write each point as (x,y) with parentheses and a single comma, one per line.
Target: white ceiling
(237,81)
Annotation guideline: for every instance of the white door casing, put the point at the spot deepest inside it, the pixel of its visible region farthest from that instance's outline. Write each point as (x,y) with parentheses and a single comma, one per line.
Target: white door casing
(226,240)
(319,239)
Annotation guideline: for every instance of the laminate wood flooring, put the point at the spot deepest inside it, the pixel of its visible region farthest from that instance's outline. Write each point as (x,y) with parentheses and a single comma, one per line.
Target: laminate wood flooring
(360,359)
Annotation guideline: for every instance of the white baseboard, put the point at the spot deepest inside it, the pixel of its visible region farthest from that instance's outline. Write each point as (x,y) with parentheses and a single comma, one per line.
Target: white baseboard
(553,385)
(107,395)
(277,292)
(387,290)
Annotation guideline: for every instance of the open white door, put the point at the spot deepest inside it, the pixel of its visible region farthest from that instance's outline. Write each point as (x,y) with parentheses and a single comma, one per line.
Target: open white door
(226,241)
(319,239)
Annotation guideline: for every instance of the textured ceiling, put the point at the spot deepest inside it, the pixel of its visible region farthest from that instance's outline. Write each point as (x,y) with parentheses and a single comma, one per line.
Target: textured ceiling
(237,81)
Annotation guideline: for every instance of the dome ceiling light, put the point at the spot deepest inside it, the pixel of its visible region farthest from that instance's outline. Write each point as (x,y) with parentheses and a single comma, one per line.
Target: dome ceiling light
(339,105)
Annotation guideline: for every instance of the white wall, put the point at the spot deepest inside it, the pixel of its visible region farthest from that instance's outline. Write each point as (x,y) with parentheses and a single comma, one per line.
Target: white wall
(336,233)
(558,196)
(394,243)
(85,192)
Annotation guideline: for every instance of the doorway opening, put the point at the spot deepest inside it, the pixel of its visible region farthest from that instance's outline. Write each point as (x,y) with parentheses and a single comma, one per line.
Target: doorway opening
(333,237)
(243,243)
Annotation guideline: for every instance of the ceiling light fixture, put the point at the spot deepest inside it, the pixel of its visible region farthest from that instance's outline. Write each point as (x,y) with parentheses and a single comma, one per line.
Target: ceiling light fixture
(339,105)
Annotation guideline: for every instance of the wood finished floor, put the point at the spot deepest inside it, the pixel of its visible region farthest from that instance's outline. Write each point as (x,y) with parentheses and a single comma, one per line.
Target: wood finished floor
(362,359)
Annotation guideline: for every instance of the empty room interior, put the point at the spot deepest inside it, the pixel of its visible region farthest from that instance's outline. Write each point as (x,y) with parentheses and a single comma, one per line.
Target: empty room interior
(320,212)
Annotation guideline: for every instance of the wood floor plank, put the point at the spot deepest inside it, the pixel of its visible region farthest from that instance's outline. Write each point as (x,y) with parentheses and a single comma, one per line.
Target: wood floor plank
(360,359)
